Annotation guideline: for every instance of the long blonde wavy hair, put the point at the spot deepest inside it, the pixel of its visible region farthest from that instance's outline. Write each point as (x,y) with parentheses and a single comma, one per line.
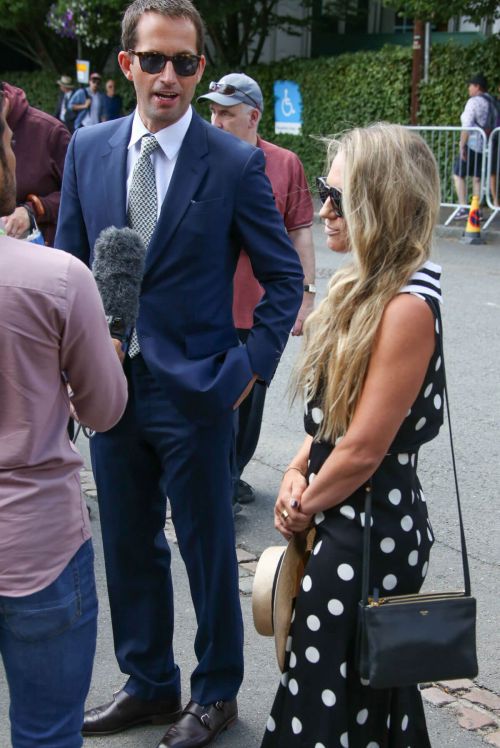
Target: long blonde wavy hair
(390,201)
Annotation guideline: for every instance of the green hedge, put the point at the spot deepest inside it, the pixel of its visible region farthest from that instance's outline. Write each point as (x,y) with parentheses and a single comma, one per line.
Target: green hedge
(339,92)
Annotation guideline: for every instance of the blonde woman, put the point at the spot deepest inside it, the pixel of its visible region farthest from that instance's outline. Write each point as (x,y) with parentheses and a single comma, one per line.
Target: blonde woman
(372,375)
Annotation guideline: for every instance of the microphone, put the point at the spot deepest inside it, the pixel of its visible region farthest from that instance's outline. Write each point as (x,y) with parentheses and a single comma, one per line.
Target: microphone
(118,267)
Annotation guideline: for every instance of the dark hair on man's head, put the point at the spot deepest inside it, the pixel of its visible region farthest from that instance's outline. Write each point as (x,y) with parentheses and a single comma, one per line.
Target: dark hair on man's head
(169,8)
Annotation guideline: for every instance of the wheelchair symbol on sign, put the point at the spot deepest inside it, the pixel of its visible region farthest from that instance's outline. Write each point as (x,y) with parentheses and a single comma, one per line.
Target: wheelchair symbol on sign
(287,107)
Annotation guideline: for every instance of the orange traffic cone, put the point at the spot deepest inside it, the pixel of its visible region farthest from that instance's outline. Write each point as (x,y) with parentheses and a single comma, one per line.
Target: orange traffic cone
(472,233)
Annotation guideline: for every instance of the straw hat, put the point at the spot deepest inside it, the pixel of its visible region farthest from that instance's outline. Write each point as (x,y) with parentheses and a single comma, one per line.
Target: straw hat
(65,80)
(275,587)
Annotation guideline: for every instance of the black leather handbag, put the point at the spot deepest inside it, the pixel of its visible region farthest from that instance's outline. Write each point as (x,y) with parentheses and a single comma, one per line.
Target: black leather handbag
(408,639)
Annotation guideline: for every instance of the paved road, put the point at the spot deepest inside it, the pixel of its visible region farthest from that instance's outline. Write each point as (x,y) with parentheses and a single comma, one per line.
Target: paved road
(471,282)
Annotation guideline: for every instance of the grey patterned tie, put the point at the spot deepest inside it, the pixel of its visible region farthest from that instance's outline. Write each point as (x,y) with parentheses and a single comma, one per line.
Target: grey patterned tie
(143,206)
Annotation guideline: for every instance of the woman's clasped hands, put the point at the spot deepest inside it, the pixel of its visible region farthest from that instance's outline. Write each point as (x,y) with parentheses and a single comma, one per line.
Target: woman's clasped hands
(288,516)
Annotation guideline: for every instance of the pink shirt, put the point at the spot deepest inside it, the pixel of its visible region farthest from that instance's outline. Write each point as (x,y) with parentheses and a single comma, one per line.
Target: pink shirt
(293,200)
(51,320)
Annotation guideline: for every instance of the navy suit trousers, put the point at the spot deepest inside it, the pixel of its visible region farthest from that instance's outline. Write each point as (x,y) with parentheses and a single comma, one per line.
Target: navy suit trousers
(152,453)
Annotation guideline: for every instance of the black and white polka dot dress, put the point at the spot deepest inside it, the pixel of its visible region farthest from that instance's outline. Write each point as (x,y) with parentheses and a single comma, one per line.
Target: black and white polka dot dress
(321,701)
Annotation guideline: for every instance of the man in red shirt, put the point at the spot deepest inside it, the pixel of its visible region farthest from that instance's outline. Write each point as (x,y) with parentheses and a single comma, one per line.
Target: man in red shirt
(236,103)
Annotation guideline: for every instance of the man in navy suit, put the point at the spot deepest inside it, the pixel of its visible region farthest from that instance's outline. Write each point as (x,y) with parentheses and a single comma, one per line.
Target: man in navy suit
(186,369)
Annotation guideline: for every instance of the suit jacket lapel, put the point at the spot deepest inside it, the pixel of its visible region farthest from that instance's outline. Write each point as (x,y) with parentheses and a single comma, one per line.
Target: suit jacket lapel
(114,174)
(190,169)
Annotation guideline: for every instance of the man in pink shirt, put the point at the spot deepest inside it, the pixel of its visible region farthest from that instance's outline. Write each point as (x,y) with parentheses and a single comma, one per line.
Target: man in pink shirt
(236,103)
(52,331)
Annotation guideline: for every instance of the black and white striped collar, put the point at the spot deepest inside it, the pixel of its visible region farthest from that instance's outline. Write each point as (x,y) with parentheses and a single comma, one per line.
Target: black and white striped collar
(425,282)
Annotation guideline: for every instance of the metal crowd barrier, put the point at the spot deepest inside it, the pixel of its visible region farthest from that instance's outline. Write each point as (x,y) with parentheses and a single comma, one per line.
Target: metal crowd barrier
(493,175)
(444,142)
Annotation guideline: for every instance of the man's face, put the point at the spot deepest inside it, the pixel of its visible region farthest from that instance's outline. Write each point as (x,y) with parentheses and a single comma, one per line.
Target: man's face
(162,98)
(240,120)
(110,88)
(474,89)
(7,173)
(94,83)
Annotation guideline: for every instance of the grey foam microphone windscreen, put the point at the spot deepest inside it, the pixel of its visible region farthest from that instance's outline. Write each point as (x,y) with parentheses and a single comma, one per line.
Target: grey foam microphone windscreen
(118,267)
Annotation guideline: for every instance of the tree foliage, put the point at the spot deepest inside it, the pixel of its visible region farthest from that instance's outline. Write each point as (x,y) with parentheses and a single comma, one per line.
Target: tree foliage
(339,92)
(443,10)
(96,23)
(22,28)
(238,29)
(47,31)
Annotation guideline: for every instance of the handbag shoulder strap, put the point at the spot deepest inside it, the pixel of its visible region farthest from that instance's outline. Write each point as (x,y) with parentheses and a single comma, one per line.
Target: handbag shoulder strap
(368,499)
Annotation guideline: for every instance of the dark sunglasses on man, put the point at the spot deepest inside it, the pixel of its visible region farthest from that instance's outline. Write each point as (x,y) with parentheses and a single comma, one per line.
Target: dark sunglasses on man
(154,62)
(226,89)
(326,192)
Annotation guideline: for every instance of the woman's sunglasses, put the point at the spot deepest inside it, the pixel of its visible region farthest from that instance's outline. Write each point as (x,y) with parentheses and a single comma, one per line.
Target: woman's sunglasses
(335,195)
(154,62)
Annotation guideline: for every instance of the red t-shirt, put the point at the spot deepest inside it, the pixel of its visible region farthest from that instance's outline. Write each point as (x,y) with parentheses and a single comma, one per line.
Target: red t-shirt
(293,200)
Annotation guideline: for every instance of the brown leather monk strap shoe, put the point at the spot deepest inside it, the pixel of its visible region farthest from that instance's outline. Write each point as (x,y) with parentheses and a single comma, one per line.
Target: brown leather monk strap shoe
(200,725)
(127,711)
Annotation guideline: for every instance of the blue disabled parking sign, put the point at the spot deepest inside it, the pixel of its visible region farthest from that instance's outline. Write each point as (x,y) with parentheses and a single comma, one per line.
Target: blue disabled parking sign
(287,107)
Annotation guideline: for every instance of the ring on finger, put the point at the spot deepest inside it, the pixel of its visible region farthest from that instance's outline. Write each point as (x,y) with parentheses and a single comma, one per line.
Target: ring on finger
(284,515)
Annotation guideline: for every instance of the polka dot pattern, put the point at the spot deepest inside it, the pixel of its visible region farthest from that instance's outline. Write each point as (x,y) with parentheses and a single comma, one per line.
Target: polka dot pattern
(312,655)
(362,716)
(335,607)
(345,572)
(271,724)
(317,415)
(389,582)
(347,511)
(407,523)
(420,423)
(317,547)
(387,545)
(395,496)
(293,687)
(328,698)
(321,678)
(413,558)
(313,623)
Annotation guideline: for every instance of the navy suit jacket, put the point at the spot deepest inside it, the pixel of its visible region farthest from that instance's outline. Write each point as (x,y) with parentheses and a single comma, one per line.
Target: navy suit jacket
(218,200)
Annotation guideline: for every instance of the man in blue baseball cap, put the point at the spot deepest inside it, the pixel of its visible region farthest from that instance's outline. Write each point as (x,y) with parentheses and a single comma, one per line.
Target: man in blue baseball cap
(237,104)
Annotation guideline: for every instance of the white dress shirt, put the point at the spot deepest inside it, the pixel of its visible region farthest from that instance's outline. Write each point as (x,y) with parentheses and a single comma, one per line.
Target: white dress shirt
(164,158)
